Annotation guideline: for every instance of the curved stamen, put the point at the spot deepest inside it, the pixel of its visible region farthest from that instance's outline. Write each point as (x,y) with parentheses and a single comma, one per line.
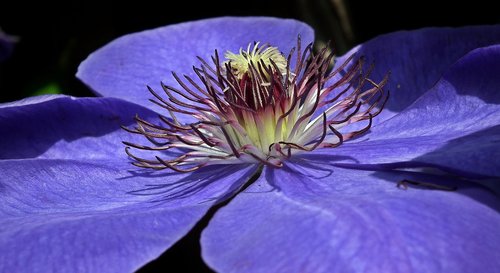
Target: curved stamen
(255,108)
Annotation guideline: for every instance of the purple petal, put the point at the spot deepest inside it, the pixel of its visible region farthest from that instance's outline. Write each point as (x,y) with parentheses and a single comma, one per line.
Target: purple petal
(338,220)
(125,66)
(454,126)
(75,203)
(417,59)
(83,216)
(66,128)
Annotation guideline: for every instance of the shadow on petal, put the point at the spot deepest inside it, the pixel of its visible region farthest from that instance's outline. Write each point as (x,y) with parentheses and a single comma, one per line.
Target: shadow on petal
(463,186)
(412,58)
(67,128)
(324,167)
(481,150)
(476,74)
(322,159)
(209,184)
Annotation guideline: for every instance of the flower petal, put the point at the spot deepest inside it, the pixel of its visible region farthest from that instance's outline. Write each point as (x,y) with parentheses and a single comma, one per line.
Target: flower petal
(454,126)
(66,128)
(338,220)
(72,202)
(125,66)
(86,216)
(417,59)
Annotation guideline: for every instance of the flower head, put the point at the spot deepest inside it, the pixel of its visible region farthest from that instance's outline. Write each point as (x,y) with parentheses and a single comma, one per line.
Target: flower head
(254,107)
(72,202)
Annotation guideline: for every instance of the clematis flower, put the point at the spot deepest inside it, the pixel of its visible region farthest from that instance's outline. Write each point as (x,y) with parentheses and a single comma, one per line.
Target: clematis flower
(318,199)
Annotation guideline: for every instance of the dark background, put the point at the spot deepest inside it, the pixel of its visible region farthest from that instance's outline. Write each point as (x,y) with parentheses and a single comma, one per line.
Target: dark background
(55,38)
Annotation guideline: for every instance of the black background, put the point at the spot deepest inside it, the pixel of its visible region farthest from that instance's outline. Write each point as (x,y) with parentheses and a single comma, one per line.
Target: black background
(55,38)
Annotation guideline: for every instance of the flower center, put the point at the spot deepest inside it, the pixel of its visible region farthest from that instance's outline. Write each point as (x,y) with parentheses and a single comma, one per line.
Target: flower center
(255,108)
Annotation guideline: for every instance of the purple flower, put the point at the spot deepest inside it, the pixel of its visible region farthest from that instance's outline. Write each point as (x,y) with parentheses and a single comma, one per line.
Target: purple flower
(71,201)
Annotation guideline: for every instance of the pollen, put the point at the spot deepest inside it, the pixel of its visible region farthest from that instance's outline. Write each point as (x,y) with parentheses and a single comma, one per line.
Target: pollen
(265,55)
(253,107)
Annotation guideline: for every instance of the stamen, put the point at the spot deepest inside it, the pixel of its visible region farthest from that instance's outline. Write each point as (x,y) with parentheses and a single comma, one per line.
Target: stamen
(254,107)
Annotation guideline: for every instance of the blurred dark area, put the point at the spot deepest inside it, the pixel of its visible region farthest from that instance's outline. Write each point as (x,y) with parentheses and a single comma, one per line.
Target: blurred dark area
(54,38)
